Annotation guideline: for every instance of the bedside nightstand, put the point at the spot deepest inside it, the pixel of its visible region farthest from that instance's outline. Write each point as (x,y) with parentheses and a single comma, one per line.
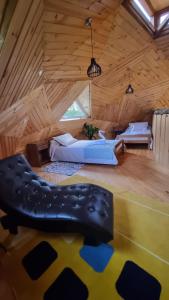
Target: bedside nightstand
(38,153)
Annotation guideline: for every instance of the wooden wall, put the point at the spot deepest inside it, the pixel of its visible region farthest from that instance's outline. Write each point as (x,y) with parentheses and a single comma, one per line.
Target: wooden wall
(20,63)
(159,4)
(50,36)
(35,117)
(31,119)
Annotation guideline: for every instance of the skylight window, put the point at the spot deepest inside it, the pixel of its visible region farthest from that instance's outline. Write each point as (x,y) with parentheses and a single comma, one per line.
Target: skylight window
(156,23)
(163,18)
(80,109)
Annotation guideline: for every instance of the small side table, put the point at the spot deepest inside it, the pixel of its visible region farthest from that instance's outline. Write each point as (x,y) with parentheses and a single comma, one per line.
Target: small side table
(38,153)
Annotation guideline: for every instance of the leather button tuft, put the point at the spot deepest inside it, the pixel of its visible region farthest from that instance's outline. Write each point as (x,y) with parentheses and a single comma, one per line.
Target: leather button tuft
(19,161)
(76,205)
(91,208)
(105,203)
(27,172)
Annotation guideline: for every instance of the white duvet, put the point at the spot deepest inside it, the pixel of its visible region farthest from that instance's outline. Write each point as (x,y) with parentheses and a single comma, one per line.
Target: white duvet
(97,152)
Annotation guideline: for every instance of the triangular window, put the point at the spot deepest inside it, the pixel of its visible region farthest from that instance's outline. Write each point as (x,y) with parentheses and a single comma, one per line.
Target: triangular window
(80,108)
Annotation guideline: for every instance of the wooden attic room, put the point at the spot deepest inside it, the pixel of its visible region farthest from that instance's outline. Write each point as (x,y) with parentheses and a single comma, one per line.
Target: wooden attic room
(84,149)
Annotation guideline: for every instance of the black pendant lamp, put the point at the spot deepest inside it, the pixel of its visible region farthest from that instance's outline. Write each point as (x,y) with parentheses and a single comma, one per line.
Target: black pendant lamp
(94,69)
(129,89)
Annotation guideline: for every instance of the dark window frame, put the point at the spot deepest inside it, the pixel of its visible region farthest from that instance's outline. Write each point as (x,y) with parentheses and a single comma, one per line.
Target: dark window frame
(154,31)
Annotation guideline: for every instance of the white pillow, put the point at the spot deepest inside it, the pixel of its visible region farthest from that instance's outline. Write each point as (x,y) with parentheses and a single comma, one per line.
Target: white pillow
(53,141)
(65,139)
(138,126)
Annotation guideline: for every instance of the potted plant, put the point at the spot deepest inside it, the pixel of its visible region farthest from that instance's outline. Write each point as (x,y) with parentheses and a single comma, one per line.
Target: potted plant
(89,130)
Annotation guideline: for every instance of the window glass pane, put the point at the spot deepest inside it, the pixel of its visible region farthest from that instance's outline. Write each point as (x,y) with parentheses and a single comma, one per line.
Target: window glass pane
(80,109)
(164,18)
(73,112)
(84,101)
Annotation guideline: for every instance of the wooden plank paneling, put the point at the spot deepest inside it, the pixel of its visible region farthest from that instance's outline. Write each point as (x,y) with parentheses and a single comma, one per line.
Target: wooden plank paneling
(159,4)
(25,62)
(8,146)
(13,33)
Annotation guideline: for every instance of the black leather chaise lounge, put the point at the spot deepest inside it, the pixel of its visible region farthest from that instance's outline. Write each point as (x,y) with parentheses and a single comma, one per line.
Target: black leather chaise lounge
(30,201)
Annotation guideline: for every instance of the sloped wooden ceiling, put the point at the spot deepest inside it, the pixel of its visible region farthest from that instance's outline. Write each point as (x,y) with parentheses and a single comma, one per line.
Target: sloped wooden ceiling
(159,4)
(43,66)
(121,47)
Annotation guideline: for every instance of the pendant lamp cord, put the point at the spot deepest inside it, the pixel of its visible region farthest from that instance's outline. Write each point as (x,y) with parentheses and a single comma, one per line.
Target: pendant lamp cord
(91,38)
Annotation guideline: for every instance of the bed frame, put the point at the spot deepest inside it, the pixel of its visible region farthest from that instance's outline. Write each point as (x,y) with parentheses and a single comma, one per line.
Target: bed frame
(137,139)
(120,147)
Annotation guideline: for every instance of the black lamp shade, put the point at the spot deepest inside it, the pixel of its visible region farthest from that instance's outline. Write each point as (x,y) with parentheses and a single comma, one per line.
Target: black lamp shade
(94,69)
(130,89)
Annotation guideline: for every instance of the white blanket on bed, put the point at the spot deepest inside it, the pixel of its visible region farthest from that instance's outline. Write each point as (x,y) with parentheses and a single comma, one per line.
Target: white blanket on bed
(99,152)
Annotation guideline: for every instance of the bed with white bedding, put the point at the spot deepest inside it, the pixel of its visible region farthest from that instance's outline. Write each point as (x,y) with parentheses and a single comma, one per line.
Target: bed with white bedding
(86,151)
(137,133)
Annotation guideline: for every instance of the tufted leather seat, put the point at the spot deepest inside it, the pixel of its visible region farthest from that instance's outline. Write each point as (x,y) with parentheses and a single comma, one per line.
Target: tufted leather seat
(30,201)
